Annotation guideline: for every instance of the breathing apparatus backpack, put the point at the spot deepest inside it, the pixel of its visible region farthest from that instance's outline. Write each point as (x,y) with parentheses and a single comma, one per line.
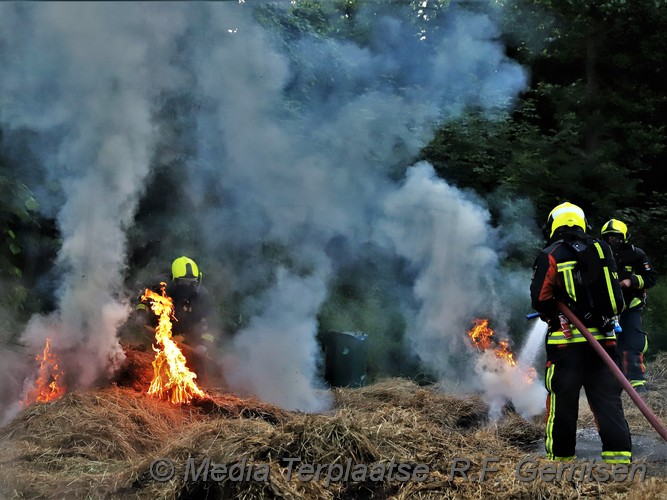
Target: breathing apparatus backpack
(597,277)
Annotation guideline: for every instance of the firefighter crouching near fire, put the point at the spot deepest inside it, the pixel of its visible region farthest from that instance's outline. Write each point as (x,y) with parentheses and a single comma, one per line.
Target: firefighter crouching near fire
(636,274)
(571,362)
(192,306)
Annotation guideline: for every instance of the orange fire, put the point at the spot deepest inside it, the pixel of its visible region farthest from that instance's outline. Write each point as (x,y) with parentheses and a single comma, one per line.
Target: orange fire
(47,387)
(482,337)
(172,379)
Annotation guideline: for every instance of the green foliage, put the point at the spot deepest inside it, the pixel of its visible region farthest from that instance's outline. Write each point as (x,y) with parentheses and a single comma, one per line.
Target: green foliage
(363,297)
(367,311)
(655,318)
(28,241)
(589,129)
(344,19)
(17,206)
(305,17)
(17,211)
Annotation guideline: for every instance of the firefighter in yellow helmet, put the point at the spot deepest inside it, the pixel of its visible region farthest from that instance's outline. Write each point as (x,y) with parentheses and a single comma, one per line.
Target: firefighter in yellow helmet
(191,300)
(636,274)
(571,362)
(192,307)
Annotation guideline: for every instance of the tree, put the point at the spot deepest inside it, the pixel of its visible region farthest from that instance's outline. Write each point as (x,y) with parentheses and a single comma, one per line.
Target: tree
(20,229)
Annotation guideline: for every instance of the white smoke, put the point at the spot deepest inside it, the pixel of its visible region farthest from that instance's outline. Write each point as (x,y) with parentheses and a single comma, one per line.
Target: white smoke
(503,383)
(324,174)
(296,143)
(446,237)
(277,353)
(85,76)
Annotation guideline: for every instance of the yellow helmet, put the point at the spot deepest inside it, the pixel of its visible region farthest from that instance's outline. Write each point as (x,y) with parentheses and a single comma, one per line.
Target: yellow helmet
(185,268)
(566,214)
(615,226)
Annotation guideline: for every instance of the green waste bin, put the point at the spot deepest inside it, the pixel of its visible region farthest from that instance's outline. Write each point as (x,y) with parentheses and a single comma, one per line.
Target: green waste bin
(344,358)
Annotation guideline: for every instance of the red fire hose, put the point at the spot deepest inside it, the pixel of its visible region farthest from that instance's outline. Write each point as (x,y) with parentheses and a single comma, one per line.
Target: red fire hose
(646,411)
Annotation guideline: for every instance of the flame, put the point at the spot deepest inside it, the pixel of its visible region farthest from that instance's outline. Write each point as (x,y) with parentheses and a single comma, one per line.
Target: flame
(503,351)
(482,338)
(172,379)
(46,387)
(481,334)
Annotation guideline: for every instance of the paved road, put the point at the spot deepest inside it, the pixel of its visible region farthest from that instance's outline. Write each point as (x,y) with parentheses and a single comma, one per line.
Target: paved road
(647,447)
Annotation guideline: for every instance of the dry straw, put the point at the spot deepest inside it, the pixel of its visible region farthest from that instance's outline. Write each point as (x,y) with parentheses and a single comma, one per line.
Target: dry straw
(101,444)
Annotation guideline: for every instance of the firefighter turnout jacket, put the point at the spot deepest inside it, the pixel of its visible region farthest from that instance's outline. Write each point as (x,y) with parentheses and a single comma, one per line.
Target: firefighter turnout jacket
(557,277)
(633,264)
(571,362)
(192,306)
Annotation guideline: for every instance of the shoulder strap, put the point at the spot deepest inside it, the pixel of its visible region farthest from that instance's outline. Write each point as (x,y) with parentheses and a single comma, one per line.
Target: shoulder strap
(591,258)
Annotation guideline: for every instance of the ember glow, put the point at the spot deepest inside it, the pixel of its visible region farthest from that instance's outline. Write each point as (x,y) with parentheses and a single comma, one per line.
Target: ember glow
(47,385)
(172,379)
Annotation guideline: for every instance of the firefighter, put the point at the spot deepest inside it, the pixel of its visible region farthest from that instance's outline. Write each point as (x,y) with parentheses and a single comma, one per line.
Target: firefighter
(192,306)
(571,363)
(636,275)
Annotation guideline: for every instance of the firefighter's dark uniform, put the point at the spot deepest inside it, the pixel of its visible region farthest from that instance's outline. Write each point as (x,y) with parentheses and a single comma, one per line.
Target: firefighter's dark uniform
(571,362)
(192,306)
(634,265)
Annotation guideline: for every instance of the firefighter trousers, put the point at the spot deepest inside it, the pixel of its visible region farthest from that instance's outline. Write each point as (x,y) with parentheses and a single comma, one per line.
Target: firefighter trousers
(631,346)
(569,368)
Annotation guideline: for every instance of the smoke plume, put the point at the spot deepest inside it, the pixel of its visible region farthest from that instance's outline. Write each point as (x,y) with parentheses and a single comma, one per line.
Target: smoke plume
(83,77)
(263,146)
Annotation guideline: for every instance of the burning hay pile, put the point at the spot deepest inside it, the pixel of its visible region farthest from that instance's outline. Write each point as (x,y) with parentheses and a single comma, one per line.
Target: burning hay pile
(391,439)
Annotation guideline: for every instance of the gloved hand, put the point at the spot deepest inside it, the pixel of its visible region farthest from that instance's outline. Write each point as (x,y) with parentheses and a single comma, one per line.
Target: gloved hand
(552,320)
(201,349)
